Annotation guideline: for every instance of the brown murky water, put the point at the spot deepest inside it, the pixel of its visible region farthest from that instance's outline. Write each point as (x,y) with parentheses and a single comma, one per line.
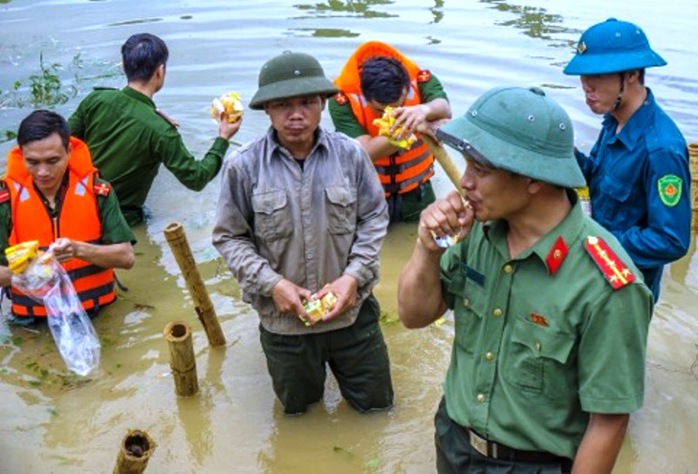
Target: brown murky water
(53,422)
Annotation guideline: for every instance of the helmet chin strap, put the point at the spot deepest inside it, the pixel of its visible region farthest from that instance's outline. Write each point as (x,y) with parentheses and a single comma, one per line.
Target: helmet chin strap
(616,104)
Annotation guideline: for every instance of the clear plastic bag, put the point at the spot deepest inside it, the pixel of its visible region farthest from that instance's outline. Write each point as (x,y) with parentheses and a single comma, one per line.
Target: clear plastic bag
(46,281)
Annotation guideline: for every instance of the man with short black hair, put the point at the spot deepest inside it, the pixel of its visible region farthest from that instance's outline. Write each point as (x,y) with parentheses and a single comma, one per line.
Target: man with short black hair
(51,194)
(129,137)
(377,76)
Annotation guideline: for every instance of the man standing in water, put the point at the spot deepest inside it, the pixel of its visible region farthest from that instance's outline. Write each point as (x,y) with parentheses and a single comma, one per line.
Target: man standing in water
(377,76)
(51,193)
(301,211)
(637,172)
(550,319)
(129,138)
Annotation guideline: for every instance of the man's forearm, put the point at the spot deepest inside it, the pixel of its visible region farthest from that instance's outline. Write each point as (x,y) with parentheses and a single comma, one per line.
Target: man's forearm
(420,300)
(601,444)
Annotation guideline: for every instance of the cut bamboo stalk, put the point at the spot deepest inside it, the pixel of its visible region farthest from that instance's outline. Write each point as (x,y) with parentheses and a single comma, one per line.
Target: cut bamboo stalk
(134,454)
(445,161)
(177,240)
(693,164)
(182,360)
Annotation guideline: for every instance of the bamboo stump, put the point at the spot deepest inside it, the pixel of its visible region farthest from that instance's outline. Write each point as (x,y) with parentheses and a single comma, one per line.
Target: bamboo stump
(177,240)
(136,449)
(444,159)
(182,360)
(693,163)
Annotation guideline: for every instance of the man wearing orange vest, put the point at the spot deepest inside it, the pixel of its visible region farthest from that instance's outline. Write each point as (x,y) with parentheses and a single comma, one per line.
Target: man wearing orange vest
(51,193)
(376,76)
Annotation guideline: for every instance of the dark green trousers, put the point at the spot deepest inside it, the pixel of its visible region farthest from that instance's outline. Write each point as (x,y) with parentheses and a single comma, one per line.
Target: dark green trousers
(357,356)
(407,207)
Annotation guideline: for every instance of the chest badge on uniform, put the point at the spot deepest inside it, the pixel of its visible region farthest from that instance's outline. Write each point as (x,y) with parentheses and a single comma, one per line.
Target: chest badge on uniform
(669,187)
(557,255)
(612,267)
(539,319)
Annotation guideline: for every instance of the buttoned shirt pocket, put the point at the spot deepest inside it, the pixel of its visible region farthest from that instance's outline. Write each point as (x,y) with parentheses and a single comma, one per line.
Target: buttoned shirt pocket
(538,359)
(341,210)
(272,215)
(468,310)
(620,203)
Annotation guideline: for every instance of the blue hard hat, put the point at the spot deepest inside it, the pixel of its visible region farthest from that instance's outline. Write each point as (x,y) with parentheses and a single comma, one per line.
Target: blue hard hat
(612,46)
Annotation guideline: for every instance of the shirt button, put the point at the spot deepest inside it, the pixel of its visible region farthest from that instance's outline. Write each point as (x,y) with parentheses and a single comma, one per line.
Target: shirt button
(480,398)
(538,346)
(466,302)
(497,312)
(508,269)
(489,356)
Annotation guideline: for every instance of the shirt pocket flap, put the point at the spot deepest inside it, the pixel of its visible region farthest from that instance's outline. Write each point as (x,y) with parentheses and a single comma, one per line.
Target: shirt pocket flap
(267,203)
(543,341)
(340,196)
(615,188)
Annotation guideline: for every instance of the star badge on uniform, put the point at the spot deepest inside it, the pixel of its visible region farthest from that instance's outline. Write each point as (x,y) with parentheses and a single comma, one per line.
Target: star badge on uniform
(581,47)
(424,75)
(669,187)
(340,98)
(101,189)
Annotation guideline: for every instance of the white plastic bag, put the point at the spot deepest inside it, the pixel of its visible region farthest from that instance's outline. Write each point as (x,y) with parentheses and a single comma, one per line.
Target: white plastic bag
(46,281)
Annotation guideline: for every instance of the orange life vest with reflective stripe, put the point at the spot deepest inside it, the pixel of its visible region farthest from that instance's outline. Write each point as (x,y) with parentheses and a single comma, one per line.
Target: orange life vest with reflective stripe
(403,171)
(78,220)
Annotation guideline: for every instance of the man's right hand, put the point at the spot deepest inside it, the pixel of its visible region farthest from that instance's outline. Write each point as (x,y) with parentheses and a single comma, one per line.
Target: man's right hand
(288,298)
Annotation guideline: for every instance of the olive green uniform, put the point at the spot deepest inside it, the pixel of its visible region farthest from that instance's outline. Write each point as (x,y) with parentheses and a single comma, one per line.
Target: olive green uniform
(128,139)
(537,336)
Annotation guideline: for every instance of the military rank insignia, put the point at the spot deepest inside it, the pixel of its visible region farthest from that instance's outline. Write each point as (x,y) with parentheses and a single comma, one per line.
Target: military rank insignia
(423,76)
(613,269)
(669,187)
(340,98)
(556,256)
(101,189)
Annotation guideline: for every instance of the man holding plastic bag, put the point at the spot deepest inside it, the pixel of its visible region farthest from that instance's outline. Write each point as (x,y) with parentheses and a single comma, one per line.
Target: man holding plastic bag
(65,232)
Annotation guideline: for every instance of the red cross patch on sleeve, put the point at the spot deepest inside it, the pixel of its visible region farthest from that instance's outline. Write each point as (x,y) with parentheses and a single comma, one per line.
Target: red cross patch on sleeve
(613,269)
(423,76)
(101,189)
(340,98)
(4,195)
(557,255)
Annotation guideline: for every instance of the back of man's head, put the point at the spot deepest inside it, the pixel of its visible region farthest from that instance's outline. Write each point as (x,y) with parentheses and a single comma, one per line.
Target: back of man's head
(42,124)
(383,79)
(141,55)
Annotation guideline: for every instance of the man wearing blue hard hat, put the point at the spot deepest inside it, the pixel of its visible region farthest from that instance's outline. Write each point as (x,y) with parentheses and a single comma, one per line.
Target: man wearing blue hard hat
(637,172)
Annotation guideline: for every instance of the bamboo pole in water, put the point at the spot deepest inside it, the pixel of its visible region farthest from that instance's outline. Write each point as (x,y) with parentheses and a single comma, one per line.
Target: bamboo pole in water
(693,162)
(445,161)
(134,454)
(177,240)
(182,360)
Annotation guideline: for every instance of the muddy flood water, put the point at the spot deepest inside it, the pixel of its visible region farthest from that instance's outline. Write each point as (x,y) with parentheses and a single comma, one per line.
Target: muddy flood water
(52,421)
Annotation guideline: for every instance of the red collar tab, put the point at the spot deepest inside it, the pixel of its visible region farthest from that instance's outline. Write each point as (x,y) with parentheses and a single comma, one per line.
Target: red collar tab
(556,256)
(613,269)
(340,98)
(101,189)
(423,76)
(4,195)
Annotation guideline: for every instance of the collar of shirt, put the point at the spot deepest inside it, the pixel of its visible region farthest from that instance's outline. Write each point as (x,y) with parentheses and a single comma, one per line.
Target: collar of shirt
(634,130)
(274,145)
(569,229)
(133,93)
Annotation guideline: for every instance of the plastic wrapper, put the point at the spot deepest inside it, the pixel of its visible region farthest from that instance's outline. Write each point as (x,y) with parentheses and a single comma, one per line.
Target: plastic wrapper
(229,104)
(385,123)
(316,308)
(45,281)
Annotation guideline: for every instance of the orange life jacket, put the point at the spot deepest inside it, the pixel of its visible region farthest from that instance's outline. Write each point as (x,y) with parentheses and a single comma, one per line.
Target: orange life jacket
(78,220)
(405,170)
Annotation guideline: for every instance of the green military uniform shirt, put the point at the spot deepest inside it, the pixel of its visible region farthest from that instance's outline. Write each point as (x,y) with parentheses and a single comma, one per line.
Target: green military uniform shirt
(114,227)
(543,339)
(128,140)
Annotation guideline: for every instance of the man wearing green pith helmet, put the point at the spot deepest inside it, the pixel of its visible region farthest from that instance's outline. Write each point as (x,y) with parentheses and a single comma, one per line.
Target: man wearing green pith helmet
(301,211)
(637,172)
(551,316)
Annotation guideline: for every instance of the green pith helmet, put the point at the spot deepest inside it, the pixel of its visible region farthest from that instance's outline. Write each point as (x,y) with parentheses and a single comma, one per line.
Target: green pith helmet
(612,46)
(291,75)
(519,130)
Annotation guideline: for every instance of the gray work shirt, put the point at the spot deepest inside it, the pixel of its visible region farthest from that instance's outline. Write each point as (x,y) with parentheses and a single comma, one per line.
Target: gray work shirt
(309,225)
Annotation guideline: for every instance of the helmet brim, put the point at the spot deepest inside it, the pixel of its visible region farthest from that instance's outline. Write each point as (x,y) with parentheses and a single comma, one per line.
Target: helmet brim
(294,87)
(612,62)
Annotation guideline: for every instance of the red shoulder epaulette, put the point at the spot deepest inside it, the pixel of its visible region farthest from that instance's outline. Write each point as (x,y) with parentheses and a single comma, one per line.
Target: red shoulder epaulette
(612,267)
(4,195)
(101,189)
(423,76)
(340,98)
